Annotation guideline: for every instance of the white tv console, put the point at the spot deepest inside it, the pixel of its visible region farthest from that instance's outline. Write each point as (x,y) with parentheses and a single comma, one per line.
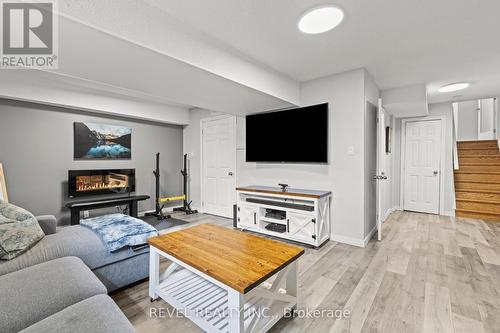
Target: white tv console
(298,215)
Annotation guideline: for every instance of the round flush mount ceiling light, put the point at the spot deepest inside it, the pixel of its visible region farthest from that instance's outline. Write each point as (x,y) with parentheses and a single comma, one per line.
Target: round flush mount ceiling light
(454,87)
(320,19)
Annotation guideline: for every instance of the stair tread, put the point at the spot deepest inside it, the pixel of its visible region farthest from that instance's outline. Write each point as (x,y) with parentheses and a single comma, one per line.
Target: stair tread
(477,181)
(479,200)
(477,212)
(480,155)
(475,141)
(478,148)
(477,191)
(478,172)
(478,164)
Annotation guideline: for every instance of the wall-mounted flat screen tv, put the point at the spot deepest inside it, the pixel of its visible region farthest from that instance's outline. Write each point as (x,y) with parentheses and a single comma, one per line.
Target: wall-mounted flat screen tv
(295,136)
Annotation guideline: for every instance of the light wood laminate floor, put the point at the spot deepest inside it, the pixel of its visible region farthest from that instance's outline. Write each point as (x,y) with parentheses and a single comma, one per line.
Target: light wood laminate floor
(429,274)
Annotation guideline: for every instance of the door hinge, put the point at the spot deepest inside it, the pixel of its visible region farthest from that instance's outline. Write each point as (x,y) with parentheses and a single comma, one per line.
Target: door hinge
(238,209)
(313,220)
(314,237)
(203,203)
(238,219)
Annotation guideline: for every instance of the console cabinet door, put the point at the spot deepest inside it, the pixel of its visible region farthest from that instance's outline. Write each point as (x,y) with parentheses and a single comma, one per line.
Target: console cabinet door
(248,216)
(301,226)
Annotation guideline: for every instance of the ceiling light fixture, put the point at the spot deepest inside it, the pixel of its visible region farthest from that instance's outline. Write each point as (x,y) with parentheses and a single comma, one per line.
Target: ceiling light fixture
(454,87)
(320,19)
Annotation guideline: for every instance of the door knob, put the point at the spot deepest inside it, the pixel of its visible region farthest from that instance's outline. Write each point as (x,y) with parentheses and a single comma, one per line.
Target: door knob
(230,173)
(435,172)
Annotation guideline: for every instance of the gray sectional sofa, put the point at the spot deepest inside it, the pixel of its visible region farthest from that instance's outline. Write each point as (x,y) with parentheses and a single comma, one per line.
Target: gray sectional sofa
(61,283)
(60,295)
(115,270)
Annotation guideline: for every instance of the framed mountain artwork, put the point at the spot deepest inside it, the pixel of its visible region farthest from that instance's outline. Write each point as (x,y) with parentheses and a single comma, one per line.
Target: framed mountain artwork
(102,142)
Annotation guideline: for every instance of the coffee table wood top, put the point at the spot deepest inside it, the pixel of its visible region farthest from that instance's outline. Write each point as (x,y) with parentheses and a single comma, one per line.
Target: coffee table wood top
(238,260)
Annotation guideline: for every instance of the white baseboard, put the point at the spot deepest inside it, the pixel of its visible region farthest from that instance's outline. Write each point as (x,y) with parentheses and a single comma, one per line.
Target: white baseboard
(369,236)
(348,240)
(389,212)
(449,213)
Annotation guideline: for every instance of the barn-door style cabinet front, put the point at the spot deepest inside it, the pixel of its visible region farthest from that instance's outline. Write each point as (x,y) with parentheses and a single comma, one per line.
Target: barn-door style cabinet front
(299,215)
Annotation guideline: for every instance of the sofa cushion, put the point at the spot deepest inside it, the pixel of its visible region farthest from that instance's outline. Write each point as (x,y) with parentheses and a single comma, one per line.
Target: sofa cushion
(19,230)
(36,292)
(96,314)
(75,241)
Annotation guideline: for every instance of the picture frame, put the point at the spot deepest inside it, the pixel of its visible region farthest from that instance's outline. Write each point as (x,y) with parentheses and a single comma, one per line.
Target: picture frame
(96,141)
(3,186)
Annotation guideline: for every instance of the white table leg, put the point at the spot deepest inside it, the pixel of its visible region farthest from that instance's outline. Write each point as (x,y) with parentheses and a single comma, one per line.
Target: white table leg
(154,272)
(292,282)
(236,313)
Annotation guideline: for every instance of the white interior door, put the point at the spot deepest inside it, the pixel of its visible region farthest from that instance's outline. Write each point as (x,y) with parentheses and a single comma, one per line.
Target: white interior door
(380,177)
(422,166)
(486,119)
(218,166)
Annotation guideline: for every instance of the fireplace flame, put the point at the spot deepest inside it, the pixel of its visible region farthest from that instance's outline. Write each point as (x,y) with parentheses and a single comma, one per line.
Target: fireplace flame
(99,186)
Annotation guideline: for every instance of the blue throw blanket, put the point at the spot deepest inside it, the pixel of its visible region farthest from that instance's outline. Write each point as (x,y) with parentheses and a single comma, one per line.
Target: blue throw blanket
(119,230)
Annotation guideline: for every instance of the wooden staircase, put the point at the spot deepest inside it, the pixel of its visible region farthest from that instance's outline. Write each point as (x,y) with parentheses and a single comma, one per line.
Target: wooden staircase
(477,182)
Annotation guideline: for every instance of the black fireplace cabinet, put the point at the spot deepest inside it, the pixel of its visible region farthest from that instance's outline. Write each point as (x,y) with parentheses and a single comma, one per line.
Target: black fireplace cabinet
(131,201)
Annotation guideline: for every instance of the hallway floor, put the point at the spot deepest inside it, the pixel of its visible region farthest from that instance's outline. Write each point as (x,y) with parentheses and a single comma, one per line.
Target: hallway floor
(429,274)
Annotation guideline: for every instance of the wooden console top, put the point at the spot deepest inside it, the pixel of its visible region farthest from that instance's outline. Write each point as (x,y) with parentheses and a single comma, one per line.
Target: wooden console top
(239,260)
(289,191)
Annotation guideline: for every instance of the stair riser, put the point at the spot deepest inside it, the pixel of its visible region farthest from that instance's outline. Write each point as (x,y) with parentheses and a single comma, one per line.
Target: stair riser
(480,168)
(477,177)
(478,196)
(479,206)
(487,217)
(480,159)
(477,186)
(473,152)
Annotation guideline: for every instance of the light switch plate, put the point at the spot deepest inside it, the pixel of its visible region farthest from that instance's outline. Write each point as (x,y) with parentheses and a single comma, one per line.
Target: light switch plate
(350,150)
(86,214)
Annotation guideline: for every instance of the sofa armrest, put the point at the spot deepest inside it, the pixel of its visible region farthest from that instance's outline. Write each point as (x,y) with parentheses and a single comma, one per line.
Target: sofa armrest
(48,223)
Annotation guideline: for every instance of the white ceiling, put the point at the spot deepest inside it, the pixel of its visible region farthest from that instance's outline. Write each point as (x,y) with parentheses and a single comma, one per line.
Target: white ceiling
(401,43)
(243,56)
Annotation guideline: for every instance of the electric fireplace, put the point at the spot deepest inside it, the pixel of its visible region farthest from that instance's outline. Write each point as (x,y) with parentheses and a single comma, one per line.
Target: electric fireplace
(96,182)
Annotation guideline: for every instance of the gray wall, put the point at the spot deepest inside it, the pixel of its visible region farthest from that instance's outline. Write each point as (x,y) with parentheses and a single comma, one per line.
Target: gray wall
(346,94)
(36,149)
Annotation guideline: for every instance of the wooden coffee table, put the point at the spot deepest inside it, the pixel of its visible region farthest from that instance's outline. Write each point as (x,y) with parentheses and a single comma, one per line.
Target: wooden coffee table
(225,280)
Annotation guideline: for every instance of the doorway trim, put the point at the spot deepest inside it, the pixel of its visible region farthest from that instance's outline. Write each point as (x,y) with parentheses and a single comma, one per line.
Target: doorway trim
(202,121)
(444,127)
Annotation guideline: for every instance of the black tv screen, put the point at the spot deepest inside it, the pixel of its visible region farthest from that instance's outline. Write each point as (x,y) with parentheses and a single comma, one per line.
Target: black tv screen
(296,135)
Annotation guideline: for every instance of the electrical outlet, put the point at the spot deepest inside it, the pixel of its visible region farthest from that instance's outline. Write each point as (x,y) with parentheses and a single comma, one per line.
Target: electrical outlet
(86,213)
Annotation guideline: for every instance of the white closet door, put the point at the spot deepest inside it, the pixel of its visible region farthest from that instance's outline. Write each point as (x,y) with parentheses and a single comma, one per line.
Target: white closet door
(422,166)
(219,164)
(486,120)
